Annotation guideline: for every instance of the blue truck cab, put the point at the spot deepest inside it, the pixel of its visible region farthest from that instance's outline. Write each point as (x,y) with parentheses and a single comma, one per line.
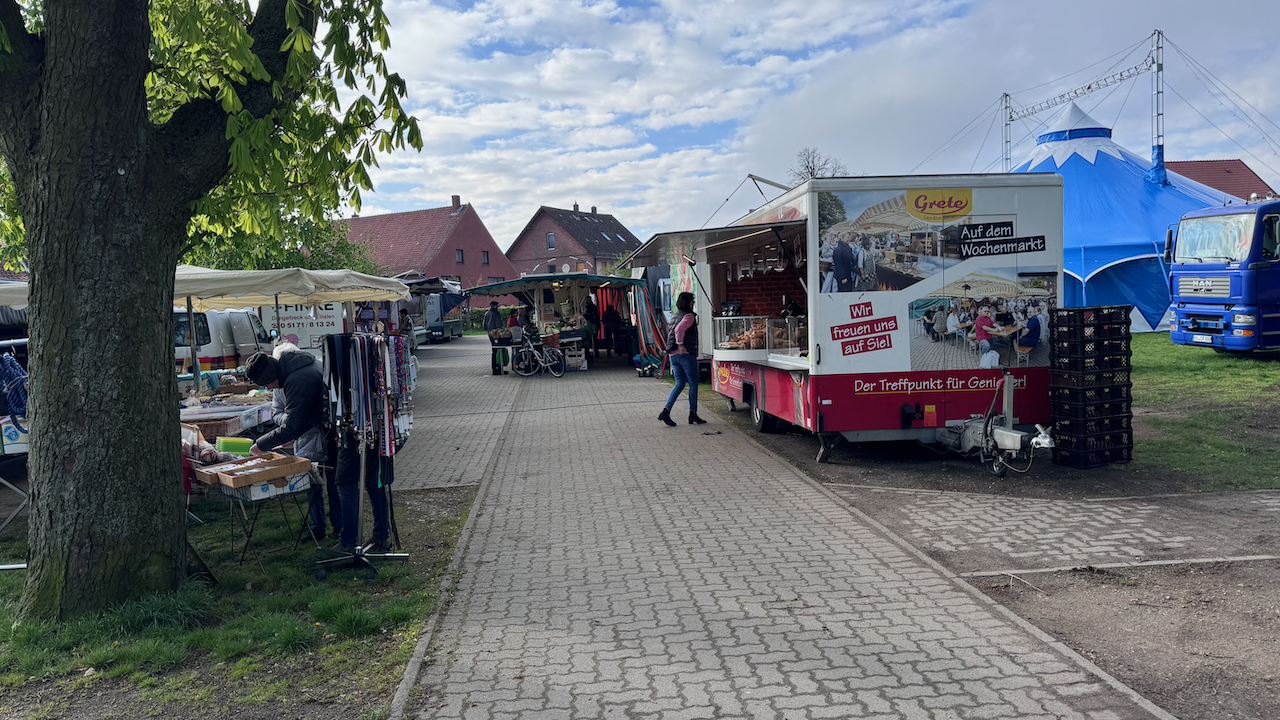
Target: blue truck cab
(1224,277)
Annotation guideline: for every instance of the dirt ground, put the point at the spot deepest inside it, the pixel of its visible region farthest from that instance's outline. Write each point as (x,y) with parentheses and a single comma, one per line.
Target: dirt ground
(1199,640)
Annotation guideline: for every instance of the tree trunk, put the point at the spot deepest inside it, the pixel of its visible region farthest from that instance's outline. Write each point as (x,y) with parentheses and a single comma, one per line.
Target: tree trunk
(107,508)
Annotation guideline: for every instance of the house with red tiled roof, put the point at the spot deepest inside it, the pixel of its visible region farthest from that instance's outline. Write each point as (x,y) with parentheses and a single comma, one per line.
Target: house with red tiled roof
(449,242)
(1232,177)
(556,238)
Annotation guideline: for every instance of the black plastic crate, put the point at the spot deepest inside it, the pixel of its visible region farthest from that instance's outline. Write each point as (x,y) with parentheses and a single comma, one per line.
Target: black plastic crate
(1088,363)
(1091,458)
(1088,331)
(1091,394)
(1092,426)
(1092,346)
(1090,379)
(1091,315)
(1092,443)
(1089,411)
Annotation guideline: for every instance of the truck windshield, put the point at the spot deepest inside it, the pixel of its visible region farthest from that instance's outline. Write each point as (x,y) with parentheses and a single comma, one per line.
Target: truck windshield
(1222,238)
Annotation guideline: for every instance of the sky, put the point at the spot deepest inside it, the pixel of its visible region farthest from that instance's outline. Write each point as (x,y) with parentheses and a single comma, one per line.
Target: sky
(655,112)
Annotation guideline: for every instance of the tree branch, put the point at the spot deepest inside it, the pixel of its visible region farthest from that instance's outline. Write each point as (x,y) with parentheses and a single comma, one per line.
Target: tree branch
(189,154)
(21,71)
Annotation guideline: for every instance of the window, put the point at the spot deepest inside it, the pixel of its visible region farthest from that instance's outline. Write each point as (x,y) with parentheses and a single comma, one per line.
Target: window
(180,330)
(551,241)
(497,280)
(459,252)
(606,235)
(484,257)
(582,266)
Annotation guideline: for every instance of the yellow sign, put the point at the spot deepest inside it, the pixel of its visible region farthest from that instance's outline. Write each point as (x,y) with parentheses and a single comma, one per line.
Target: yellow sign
(939,205)
(723,373)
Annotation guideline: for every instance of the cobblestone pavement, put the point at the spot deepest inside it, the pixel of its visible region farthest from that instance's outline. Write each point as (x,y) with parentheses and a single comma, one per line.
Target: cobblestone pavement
(622,569)
(976,532)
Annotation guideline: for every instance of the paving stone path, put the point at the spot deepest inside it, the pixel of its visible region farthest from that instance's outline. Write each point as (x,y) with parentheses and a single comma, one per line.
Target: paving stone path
(977,533)
(618,568)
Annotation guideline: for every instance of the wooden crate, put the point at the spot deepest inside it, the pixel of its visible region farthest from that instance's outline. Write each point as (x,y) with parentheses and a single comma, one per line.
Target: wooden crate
(265,468)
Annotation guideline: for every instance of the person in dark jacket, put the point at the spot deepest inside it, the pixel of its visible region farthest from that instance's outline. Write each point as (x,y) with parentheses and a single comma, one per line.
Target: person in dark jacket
(845,260)
(612,321)
(297,381)
(591,316)
(493,319)
(682,346)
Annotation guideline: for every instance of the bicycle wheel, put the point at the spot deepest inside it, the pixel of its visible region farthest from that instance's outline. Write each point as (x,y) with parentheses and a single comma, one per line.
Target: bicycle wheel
(555,361)
(524,362)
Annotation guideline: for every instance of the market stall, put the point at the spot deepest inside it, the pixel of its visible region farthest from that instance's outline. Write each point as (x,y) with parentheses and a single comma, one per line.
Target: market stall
(557,301)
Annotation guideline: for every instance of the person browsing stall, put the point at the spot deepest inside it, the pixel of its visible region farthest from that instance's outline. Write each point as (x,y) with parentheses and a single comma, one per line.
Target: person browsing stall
(298,406)
(682,346)
(493,319)
(611,321)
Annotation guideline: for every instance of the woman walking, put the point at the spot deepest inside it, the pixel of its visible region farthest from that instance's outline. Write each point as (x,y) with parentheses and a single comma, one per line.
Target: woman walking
(682,349)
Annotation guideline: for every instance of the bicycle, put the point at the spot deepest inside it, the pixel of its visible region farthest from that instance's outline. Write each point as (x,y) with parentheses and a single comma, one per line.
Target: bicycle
(532,358)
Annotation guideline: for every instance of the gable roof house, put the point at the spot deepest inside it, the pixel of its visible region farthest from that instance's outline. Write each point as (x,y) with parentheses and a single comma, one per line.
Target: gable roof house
(1232,177)
(449,242)
(554,238)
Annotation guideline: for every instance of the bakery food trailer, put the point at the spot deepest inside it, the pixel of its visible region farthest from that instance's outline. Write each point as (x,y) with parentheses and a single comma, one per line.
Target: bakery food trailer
(831,307)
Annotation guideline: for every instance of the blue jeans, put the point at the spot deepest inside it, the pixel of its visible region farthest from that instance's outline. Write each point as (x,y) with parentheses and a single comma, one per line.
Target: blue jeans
(315,496)
(348,480)
(684,368)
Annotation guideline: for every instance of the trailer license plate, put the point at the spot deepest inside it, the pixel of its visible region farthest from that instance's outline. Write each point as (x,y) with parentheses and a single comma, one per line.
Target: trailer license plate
(1202,339)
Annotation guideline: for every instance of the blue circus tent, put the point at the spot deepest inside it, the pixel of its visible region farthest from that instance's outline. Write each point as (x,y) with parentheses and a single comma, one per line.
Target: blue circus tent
(1115,213)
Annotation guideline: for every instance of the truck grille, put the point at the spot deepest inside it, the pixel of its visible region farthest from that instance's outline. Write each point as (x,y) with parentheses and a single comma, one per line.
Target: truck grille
(1216,287)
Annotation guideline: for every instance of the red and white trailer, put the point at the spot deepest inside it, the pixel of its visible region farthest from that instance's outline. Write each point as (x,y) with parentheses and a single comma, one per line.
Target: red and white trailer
(853,359)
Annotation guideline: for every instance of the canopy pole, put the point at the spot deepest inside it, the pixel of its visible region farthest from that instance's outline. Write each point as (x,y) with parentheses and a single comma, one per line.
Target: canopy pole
(193,341)
(278,333)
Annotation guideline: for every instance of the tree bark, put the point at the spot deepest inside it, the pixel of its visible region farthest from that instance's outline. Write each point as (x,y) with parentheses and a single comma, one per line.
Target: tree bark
(106,201)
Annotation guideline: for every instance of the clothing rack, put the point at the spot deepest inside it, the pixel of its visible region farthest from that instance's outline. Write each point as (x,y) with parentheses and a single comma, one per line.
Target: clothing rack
(25,497)
(367,379)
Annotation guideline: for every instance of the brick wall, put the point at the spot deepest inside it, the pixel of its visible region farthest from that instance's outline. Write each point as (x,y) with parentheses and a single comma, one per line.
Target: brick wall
(529,253)
(762,294)
(473,238)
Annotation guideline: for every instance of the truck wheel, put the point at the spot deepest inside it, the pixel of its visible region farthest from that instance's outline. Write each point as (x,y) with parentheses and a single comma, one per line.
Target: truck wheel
(763,421)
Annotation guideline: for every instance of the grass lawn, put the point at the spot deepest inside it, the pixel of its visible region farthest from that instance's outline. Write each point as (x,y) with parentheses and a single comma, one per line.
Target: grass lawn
(276,638)
(1209,415)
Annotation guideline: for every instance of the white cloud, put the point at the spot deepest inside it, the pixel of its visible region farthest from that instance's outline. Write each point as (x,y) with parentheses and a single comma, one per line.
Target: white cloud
(656,113)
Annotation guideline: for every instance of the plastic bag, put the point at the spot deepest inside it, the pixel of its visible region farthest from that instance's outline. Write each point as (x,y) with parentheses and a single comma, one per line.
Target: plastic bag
(990,359)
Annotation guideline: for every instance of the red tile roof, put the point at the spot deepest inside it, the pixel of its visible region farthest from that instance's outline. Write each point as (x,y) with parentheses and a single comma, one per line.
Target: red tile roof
(409,240)
(1230,176)
(14,275)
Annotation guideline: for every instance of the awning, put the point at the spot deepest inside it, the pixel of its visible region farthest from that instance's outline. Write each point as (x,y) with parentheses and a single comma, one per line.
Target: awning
(13,294)
(890,215)
(211,289)
(527,283)
(672,248)
(981,285)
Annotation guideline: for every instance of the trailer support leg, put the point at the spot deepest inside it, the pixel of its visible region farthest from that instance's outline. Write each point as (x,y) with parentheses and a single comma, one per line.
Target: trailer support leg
(826,443)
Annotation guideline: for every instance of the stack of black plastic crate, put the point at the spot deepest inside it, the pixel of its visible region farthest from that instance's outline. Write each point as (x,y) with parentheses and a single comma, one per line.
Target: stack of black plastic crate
(1090,386)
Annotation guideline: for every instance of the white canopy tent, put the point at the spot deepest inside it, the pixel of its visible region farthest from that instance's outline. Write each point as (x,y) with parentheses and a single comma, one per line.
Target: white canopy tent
(211,289)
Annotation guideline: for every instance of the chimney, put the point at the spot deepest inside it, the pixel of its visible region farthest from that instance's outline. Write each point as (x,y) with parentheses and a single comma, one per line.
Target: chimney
(575,207)
(457,201)
(593,209)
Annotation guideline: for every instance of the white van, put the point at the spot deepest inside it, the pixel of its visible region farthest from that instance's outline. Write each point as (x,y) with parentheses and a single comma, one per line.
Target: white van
(226,338)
